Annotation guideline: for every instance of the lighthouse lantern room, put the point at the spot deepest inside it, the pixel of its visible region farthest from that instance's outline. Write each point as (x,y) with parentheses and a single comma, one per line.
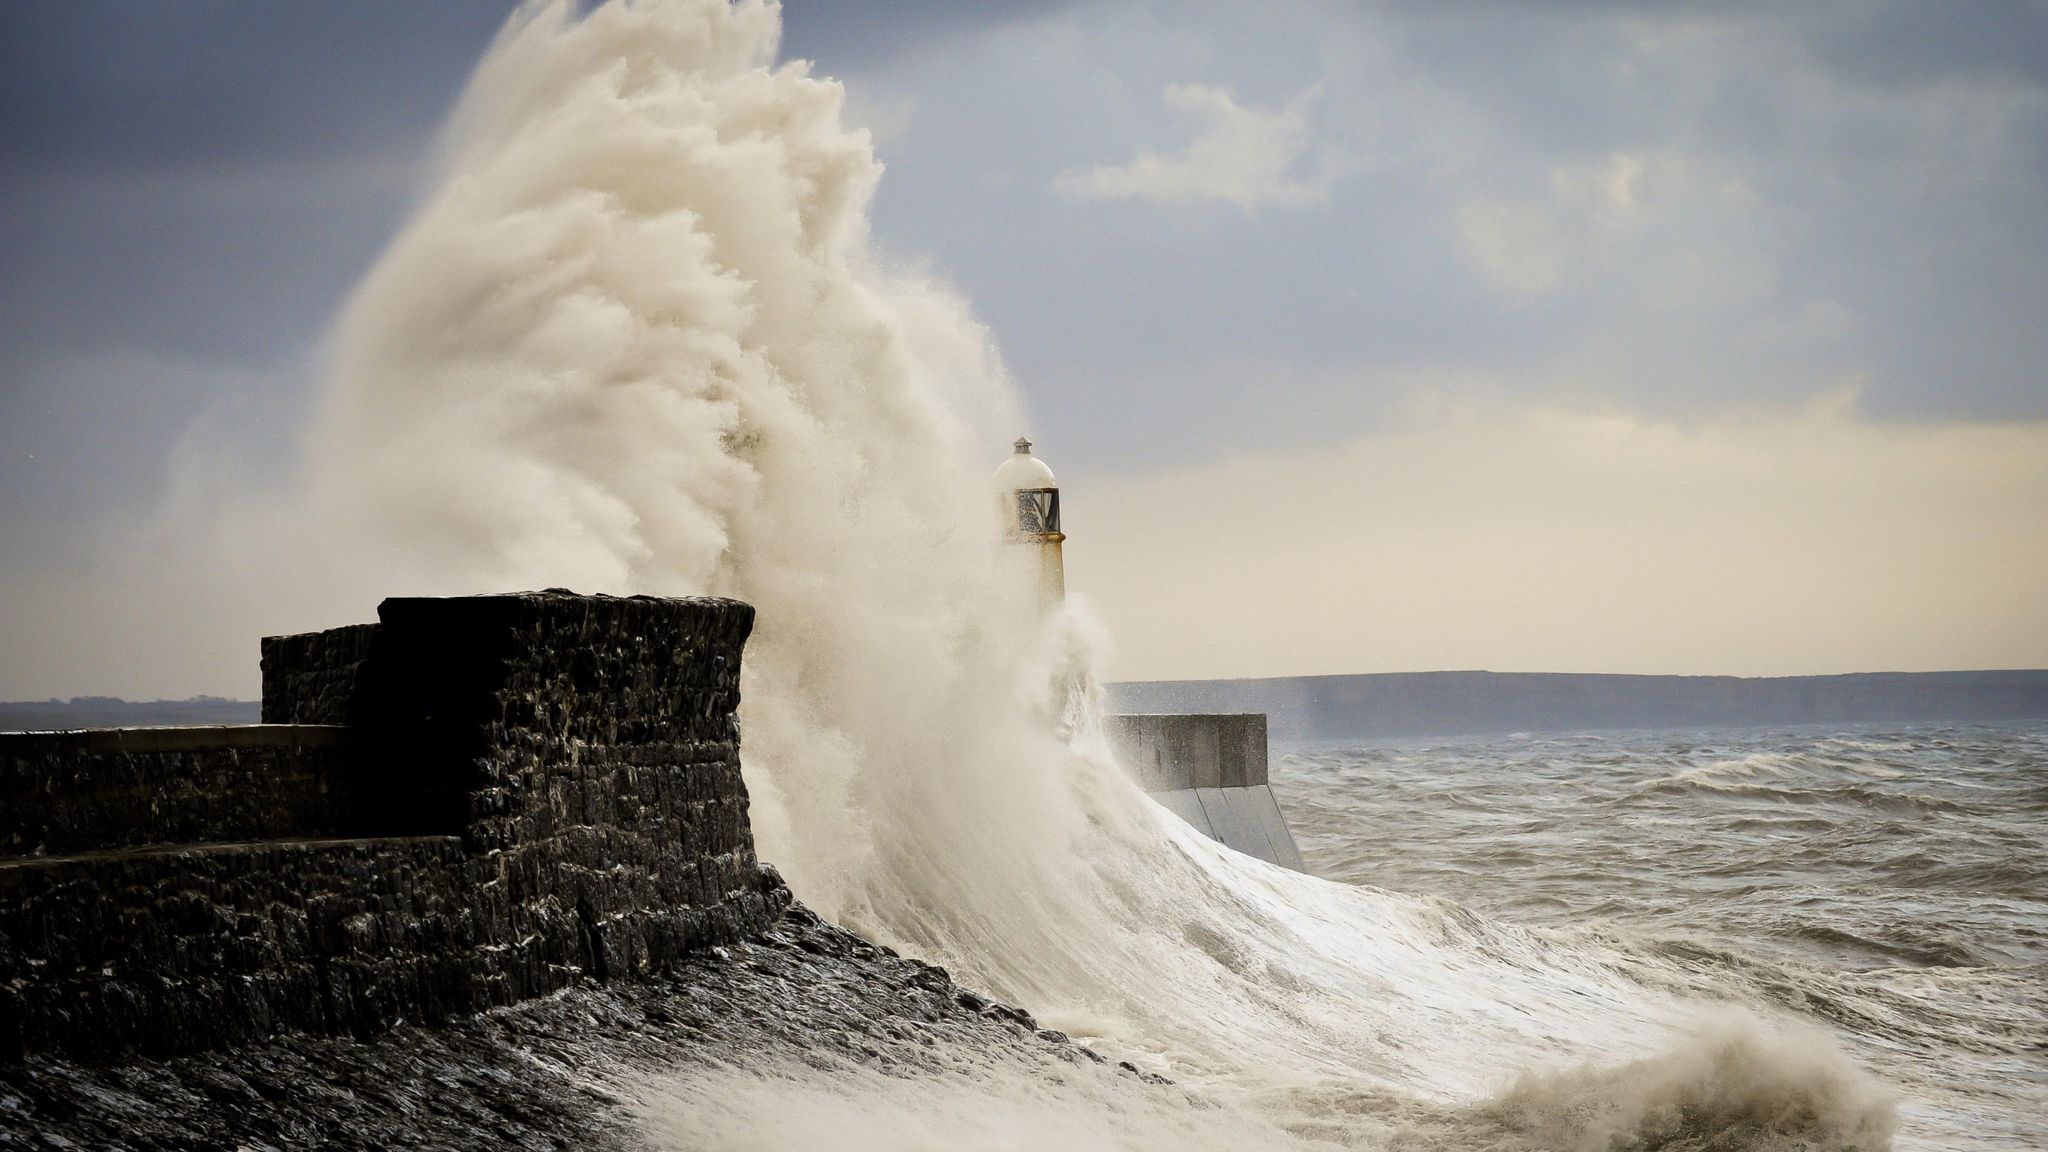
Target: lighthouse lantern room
(1029,503)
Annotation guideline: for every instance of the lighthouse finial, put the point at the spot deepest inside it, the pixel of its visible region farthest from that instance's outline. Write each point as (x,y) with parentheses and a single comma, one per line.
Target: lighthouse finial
(1023,446)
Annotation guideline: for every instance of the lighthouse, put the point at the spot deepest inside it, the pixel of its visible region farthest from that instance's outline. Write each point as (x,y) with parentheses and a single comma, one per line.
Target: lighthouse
(1029,504)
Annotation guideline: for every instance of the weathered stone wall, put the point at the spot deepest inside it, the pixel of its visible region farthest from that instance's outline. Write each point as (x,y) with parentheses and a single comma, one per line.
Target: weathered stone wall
(312,678)
(552,790)
(66,792)
(176,949)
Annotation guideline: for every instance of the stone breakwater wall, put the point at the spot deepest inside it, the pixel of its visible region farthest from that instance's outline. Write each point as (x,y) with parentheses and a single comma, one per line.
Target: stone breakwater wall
(69,792)
(474,802)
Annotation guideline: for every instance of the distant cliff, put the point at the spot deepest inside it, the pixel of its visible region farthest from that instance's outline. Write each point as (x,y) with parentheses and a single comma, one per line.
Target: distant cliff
(1459,703)
(114,712)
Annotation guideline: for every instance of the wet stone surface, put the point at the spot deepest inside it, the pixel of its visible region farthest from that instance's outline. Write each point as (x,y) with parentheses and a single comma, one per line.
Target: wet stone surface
(73,792)
(528,892)
(532,791)
(554,1073)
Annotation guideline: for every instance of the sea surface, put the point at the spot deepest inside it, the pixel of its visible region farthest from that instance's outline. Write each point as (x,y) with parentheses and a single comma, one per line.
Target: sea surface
(1887,883)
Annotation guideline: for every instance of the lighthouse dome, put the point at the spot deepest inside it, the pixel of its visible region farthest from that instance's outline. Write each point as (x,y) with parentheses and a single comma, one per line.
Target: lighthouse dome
(1023,471)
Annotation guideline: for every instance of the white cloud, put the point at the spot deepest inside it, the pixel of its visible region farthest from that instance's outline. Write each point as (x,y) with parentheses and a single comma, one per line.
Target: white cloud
(1654,230)
(1250,157)
(1519,247)
(1590,219)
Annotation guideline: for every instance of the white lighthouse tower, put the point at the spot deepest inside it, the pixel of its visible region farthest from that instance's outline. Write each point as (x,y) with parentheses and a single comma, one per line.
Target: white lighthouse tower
(1029,503)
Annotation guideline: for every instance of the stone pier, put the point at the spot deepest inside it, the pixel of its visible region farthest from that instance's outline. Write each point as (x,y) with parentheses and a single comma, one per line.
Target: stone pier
(474,802)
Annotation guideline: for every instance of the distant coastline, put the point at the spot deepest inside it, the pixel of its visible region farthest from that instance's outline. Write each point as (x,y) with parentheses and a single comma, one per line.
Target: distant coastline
(1407,704)
(114,712)
(1398,704)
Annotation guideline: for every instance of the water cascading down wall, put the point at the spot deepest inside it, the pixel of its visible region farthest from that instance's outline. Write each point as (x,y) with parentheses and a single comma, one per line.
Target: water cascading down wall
(475,801)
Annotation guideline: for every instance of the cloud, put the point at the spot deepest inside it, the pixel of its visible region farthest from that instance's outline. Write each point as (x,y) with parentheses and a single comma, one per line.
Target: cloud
(1672,212)
(1793,540)
(1618,216)
(103,85)
(838,35)
(1250,157)
(1518,247)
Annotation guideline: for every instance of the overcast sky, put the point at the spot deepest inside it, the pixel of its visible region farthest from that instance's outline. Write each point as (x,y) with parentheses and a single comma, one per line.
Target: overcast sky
(1558,336)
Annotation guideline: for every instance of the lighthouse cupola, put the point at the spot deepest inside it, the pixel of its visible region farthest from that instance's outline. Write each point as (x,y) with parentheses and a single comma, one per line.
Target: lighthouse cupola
(1030,496)
(1028,500)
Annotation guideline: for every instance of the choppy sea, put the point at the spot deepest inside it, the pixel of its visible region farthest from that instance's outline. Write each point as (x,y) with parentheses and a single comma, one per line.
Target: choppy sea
(1888,883)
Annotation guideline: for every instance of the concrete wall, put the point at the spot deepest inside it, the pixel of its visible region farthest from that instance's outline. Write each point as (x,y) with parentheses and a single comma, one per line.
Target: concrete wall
(539,789)
(1246,819)
(1210,770)
(1208,750)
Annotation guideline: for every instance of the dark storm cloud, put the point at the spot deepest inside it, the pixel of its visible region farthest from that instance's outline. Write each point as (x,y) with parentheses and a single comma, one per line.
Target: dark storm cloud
(1882,43)
(1824,195)
(186,193)
(207,177)
(842,35)
(111,84)
(1911,42)
(191,188)
(1666,210)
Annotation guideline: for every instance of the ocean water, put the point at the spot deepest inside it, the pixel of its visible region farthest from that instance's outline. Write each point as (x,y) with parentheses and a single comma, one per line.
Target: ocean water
(1889,884)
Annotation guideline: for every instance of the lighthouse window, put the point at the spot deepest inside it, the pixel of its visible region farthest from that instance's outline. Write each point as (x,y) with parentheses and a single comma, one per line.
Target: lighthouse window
(1038,510)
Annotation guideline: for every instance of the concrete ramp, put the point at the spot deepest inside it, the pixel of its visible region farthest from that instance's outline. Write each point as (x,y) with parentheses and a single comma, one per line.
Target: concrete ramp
(1185,805)
(1209,769)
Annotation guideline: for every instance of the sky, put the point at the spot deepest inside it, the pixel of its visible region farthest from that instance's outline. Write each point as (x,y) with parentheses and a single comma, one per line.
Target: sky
(1574,335)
